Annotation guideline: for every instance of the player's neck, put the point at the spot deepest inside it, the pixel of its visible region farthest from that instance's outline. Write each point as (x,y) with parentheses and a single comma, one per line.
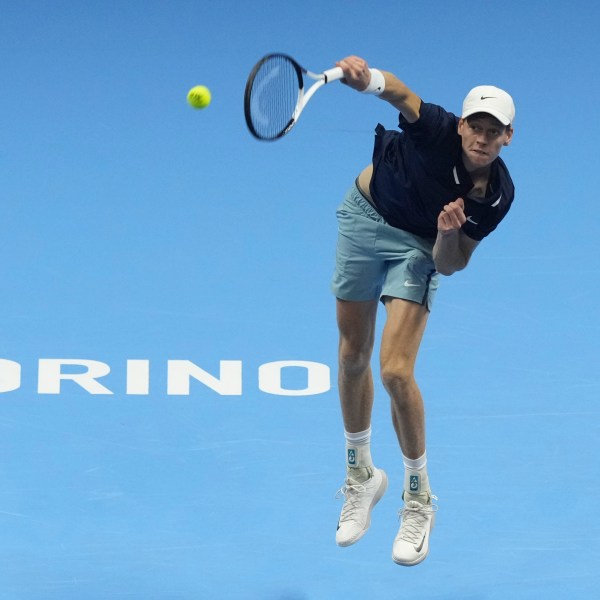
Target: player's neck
(480,178)
(476,171)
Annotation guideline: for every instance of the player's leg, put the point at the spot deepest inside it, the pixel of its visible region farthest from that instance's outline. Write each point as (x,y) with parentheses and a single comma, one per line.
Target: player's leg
(357,284)
(356,326)
(364,484)
(401,340)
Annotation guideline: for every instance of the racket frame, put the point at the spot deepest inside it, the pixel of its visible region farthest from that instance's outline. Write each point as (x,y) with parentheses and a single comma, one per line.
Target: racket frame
(320,79)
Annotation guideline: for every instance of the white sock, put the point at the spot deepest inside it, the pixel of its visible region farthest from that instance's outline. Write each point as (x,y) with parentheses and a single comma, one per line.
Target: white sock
(416,480)
(358,449)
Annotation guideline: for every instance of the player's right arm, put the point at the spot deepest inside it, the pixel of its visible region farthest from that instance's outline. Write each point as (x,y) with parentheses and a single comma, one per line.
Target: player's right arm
(452,249)
(398,94)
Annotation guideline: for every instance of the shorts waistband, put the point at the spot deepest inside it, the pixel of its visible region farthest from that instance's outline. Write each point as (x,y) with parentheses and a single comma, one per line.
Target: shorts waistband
(360,191)
(364,202)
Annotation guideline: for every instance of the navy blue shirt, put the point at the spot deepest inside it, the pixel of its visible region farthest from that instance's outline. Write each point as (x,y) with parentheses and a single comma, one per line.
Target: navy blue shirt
(418,171)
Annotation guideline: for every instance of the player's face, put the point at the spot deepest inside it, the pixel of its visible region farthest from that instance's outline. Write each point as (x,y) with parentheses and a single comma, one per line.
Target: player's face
(482,139)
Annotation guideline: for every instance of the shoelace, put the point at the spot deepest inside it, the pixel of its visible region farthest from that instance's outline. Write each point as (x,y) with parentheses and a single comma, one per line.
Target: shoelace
(350,491)
(414,515)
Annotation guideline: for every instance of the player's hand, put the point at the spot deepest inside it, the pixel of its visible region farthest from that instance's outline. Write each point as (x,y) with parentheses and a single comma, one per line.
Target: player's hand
(452,217)
(356,72)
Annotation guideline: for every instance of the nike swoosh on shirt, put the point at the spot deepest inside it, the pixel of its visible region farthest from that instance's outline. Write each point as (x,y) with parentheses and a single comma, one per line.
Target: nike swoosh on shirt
(470,219)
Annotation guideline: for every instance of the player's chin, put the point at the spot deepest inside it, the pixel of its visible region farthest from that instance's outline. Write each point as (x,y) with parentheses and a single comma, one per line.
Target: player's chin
(481,159)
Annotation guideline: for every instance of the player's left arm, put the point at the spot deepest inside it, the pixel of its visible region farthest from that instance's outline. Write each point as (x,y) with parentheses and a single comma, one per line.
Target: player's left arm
(453,248)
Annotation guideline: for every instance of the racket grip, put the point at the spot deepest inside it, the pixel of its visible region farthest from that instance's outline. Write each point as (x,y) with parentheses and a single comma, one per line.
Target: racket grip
(333,74)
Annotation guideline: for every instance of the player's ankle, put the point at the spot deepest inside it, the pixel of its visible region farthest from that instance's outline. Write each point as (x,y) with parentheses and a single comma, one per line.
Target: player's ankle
(416,479)
(359,474)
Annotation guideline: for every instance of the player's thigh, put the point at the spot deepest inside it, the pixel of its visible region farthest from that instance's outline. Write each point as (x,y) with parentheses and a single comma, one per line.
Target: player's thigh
(356,324)
(404,328)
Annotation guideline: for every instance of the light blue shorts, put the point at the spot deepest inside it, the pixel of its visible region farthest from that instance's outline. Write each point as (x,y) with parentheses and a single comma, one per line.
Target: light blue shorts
(374,259)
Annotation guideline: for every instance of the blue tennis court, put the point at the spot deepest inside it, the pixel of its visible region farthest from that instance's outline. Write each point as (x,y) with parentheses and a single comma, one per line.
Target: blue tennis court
(169,418)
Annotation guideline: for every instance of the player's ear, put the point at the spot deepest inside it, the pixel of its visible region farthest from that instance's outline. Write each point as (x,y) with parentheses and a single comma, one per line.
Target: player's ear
(508,133)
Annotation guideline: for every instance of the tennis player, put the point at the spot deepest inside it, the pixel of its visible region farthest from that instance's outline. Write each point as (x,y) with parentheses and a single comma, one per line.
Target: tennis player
(433,191)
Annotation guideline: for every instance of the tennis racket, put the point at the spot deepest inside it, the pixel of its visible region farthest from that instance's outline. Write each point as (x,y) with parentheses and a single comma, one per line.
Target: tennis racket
(275,95)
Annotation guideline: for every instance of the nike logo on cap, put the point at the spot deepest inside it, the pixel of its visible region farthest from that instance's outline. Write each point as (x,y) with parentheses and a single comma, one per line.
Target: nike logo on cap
(410,284)
(486,97)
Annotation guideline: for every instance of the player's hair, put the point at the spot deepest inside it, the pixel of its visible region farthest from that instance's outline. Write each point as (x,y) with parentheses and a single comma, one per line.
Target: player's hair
(481,115)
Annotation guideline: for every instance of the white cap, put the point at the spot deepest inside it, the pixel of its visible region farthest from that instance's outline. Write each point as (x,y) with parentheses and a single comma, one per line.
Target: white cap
(491,100)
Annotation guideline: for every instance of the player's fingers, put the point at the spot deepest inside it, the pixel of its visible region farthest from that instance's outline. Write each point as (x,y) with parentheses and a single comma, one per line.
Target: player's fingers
(456,209)
(452,216)
(455,206)
(457,220)
(355,75)
(354,61)
(354,67)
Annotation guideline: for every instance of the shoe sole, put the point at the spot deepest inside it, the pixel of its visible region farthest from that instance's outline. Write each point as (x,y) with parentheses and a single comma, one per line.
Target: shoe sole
(421,558)
(376,498)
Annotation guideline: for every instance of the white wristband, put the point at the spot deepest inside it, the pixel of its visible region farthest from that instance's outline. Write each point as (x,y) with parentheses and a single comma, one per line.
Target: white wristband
(377,83)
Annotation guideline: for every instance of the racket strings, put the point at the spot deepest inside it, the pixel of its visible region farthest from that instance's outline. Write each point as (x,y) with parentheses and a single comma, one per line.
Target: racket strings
(272,97)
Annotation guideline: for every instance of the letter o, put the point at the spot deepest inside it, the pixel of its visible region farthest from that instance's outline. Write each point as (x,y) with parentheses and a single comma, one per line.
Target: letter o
(318,374)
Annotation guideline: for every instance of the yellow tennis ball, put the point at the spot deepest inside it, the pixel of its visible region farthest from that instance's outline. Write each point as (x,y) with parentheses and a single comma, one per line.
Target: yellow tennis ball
(199,96)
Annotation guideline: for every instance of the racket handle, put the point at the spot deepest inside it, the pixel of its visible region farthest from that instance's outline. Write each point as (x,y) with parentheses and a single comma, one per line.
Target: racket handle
(333,74)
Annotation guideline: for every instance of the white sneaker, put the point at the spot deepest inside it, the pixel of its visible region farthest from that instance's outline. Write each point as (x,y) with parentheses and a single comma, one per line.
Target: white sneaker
(412,542)
(360,498)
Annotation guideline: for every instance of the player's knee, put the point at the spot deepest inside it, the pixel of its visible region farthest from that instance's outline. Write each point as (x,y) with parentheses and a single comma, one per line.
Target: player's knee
(354,360)
(397,375)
